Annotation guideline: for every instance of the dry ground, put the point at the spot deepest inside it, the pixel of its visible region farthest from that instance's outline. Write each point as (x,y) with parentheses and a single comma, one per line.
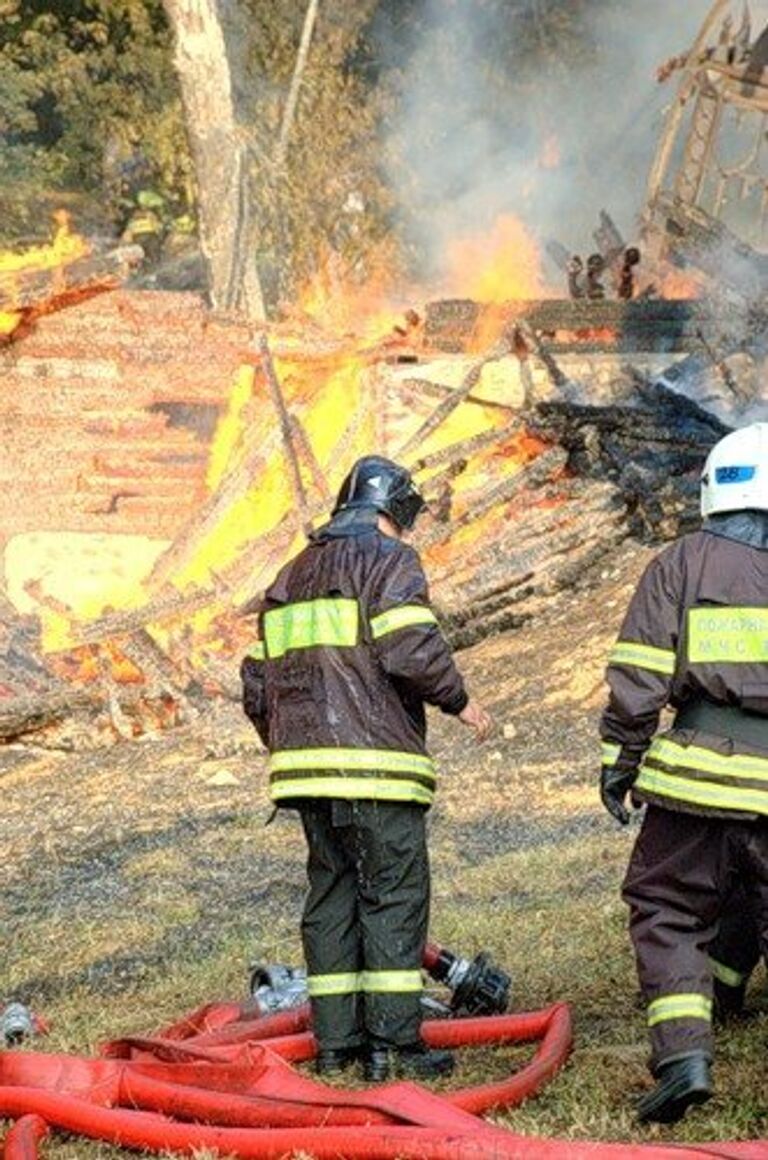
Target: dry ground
(140,881)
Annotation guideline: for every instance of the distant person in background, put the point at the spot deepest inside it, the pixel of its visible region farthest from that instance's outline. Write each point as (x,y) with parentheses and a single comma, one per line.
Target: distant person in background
(146,225)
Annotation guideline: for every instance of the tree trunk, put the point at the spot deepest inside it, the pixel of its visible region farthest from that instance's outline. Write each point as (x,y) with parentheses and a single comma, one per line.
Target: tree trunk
(219,154)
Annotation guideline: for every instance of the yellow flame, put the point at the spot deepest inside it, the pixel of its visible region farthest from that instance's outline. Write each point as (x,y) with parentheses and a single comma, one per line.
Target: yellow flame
(230,429)
(498,266)
(9,321)
(65,247)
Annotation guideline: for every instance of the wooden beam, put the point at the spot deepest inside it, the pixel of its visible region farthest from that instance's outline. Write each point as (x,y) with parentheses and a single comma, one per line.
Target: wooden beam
(26,288)
(286,434)
(455,399)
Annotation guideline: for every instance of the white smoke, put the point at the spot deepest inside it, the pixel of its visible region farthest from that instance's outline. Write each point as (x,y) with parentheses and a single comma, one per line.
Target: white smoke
(581,137)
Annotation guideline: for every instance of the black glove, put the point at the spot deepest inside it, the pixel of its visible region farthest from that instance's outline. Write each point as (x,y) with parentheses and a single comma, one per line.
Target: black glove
(615,784)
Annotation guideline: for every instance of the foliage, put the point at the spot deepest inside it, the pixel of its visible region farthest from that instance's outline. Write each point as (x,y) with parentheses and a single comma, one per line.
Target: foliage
(90,111)
(88,104)
(330,195)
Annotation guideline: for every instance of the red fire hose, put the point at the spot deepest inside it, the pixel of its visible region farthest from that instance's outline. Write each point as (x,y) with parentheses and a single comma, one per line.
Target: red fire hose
(23,1138)
(220,1081)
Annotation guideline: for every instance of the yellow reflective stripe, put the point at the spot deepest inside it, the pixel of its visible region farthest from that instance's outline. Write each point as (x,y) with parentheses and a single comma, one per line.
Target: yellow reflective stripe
(329,621)
(388,982)
(686,1005)
(702,793)
(343,983)
(387,760)
(728,635)
(403,616)
(726,974)
(610,752)
(696,757)
(371,788)
(258,652)
(643,656)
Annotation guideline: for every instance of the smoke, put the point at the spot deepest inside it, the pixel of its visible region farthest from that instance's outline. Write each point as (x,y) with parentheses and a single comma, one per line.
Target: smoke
(497,116)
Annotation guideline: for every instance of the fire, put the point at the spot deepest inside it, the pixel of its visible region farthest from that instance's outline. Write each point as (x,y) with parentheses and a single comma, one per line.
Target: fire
(230,430)
(325,361)
(340,301)
(496,268)
(88,663)
(682,284)
(499,266)
(64,248)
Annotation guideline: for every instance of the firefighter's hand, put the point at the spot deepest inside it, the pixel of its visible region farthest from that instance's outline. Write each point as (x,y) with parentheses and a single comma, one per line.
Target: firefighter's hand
(615,784)
(475,716)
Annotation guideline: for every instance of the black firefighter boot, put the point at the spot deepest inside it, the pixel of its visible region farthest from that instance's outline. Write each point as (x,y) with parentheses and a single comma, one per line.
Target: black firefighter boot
(335,1060)
(415,1061)
(679,1083)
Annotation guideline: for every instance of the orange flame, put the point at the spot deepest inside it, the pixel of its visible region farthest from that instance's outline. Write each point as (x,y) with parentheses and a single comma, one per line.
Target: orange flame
(65,247)
(682,284)
(499,266)
(89,663)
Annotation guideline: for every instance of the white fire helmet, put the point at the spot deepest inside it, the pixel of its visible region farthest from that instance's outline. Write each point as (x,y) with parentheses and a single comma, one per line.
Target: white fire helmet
(735,475)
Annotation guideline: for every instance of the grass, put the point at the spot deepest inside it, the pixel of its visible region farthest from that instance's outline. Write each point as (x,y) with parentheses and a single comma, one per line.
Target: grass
(553,921)
(139,889)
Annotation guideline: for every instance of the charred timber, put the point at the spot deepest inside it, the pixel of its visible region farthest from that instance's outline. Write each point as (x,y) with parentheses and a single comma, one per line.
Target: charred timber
(641,324)
(692,236)
(535,558)
(23,715)
(25,289)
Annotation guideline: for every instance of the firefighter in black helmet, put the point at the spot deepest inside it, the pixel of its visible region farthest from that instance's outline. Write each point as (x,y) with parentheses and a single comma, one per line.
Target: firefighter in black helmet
(350,653)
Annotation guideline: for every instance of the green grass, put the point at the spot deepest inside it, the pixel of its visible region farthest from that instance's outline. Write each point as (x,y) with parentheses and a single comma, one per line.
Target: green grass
(551,917)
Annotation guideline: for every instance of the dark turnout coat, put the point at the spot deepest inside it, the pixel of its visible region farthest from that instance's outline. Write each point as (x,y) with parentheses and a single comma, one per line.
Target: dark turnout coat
(350,652)
(696,637)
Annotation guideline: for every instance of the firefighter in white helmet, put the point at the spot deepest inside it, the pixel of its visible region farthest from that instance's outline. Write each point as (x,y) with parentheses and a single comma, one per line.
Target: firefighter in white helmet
(695,637)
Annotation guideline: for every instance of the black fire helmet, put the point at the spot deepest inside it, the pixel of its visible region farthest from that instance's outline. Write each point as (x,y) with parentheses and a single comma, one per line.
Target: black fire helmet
(375,482)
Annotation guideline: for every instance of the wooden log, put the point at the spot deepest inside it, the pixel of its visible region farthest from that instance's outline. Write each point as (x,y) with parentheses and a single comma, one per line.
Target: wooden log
(532,475)
(167,605)
(307,454)
(24,289)
(284,419)
(464,448)
(455,399)
(534,341)
(420,387)
(29,714)
(530,562)
(654,324)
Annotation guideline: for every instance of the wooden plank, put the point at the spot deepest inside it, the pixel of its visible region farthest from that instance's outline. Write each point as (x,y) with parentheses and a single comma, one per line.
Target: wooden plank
(455,399)
(24,289)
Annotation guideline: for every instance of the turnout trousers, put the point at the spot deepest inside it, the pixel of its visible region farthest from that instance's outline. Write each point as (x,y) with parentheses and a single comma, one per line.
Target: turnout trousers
(683,869)
(364,925)
(735,951)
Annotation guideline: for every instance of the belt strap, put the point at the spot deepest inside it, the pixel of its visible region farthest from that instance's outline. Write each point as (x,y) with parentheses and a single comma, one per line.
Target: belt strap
(724,721)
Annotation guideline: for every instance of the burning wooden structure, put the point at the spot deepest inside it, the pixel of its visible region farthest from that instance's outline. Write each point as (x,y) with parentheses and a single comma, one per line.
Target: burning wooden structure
(532,479)
(711,158)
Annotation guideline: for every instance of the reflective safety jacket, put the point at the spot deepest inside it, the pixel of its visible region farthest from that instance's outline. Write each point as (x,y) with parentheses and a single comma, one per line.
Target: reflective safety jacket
(695,637)
(350,652)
